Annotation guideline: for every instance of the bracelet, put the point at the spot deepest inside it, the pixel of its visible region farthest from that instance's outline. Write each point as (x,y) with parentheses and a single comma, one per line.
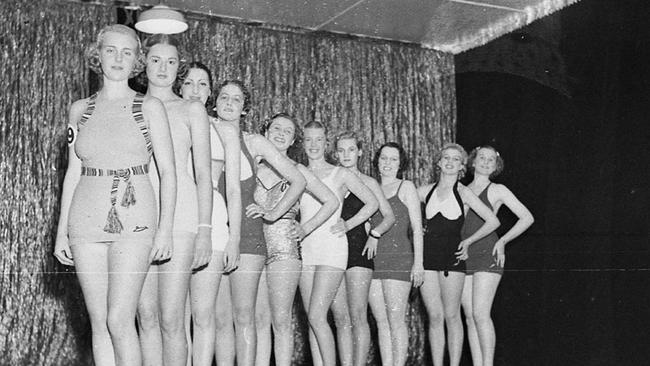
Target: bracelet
(205,225)
(374,234)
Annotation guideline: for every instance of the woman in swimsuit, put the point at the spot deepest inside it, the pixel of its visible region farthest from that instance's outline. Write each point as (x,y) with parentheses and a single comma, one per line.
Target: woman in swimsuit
(325,250)
(165,291)
(233,102)
(108,226)
(398,264)
(486,257)
(283,258)
(445,253)
(353,292)
(206,282)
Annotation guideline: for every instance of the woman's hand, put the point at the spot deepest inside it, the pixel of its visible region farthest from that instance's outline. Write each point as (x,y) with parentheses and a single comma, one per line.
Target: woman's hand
(461,254)
(163,246)
(371,248)
(254,211)
(202,248)
(340,228)
(297,232)
(62,250)
(499,252)
(231,255)
(417,274)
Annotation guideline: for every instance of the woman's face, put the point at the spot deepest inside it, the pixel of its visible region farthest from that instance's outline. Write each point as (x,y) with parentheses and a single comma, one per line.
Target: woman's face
(388,162)
(485,162)
(162,65)
(315,142)
(230,103)
(196,85)
(347,152)
(118,54)
(282,133)
(451,161)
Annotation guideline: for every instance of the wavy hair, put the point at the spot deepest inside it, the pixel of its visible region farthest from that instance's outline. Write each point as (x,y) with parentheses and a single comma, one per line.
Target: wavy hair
(92,51)
(244,91)
(452,146)
(295,152)
(500,164)
(403,159)
(171,40)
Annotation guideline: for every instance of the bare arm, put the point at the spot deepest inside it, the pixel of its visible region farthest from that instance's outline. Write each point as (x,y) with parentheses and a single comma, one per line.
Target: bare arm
(505,196)
(356,186)
(264,148)
(232,149)
(411,198)
(62,248)
(324,195)
(200,132)
(156,116)
(422,192)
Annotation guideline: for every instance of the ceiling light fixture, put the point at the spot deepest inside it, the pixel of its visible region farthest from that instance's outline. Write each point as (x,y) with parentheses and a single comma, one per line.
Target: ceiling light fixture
(161,19)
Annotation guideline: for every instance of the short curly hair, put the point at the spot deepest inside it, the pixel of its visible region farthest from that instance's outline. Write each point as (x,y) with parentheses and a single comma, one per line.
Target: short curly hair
(244,91)
(348,135)
(500,164)
(452,146)
(295,151)
(403,159)
(92,51)
(171,40)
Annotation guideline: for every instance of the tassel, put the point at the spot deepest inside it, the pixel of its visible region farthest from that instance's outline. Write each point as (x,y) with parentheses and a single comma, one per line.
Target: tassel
(113,224)
(129,195)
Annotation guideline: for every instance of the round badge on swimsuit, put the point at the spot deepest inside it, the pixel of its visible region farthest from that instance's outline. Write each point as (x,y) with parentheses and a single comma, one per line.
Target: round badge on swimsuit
(72,134)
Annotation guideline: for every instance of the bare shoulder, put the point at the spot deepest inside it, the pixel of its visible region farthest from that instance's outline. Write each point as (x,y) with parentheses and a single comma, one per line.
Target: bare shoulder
(151,104)
(76,110)
(499,191)
(408,186)
(194,107)
(369,181)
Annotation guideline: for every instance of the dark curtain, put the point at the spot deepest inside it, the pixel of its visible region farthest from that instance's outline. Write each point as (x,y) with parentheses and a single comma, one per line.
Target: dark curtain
(576,284)
(42,317)
(385,91)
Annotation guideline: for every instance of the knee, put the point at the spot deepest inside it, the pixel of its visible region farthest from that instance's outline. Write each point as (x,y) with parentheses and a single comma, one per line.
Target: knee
(452,315)
(203,318)
(316,320)
(481,317)
(358,315)
(282,324)
(148,318)
(342,320)
(172,321)
(244,316)
(223,321)
(118,324)
(436,319)
(262,318)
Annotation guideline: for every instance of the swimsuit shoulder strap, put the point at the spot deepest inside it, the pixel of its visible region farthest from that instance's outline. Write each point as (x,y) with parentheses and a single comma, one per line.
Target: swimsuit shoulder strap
(138,116)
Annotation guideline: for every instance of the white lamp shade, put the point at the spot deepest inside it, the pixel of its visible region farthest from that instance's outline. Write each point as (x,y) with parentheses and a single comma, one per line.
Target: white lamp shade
(161,19)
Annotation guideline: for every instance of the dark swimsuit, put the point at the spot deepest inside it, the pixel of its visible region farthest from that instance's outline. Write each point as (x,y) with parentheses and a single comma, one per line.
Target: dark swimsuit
(480,258)
(441,239)
(252,232)
(357,237)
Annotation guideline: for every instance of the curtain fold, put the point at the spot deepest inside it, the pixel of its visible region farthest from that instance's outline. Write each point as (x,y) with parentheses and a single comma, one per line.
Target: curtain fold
(42,314)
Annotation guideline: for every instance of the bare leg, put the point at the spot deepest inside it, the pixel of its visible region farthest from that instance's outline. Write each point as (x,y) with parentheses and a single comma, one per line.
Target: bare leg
(306,287)
(187,320)
(173,285)
(148,317)
(326,283)
(244,285)
(472,335)
(263,323)
(357,282)
(204,285)
(343,325)
(451,289)
(128,261)
(91,264)
(396,296)
(378,308)
(225,332)
(430,291)
(282,278)
(485,287)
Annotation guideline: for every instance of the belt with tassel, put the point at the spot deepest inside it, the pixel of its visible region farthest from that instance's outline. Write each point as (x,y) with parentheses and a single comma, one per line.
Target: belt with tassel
(113,224)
